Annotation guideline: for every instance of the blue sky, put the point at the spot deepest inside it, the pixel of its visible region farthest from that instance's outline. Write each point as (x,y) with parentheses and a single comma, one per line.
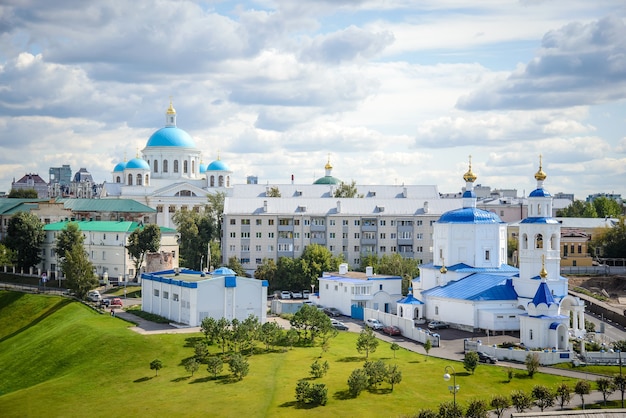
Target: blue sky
(395,92)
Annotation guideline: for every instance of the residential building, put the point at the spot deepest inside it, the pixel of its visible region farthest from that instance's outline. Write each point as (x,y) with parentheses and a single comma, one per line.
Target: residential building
(31,181)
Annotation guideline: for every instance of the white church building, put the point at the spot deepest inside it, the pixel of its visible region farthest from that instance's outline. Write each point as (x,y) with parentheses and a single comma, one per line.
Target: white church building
(470,286)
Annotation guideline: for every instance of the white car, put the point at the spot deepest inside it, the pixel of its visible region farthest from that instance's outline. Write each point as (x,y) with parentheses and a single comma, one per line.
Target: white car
(374,324)
(285,295)
(94,296)
(296,295)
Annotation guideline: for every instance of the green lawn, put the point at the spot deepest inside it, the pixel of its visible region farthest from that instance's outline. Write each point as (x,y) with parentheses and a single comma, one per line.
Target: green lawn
(61,358)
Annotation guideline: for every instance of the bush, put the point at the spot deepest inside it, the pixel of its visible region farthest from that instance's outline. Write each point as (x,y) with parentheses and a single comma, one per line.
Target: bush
(311,394)
(357,382)
(319,369)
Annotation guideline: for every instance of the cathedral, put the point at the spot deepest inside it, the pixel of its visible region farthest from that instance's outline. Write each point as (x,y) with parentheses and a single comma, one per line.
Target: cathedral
(470,285)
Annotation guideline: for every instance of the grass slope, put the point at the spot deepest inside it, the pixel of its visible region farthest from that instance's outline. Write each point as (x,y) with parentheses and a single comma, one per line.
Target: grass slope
(61,358)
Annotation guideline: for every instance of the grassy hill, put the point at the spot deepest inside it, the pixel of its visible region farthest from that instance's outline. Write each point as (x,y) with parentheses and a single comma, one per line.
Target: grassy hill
(60,358)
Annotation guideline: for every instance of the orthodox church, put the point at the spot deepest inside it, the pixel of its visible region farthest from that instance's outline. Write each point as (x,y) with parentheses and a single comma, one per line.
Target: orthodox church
(169,175)
(470,286)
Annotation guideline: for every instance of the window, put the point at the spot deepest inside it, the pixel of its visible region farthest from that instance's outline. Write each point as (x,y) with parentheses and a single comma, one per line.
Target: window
(486,255)
(156,167)
(233,235)
(307,235)
(319,221)
(175,297)
(393,235)
(331,222)
(406,235)
(331,248)
(156,292)
(357,222)
(296,235)
(283,221)
(383,249)
(380,287)
(245,221)
(270,235)
(393,223)
(332,235)
(580,248)
(233,221)
(270,222)
(258,222)
(436,310)
(258,235)
(418,223)
(296,221)
(307,222)
(344,222)
(175,166)
(185,167)
(356,249)
(393,248)
(419,235)
(383,222)
(258,260)
(232,247)
(270,248)
(257,248)
(165,166)
(369,235)
(344,235)
(166,295)
(383,235)
(245,247)
(357,235)
(284,247)
(531,334)
(245,234)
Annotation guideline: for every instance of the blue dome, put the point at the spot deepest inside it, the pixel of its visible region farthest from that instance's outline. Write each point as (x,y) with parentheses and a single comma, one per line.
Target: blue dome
(202,168)
(217,165)
(539,193)
(171,136)
(470,216)
(120,166)
(138,163)
(539,220)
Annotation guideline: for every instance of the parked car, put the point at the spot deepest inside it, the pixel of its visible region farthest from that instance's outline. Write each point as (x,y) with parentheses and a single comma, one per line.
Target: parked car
(296,295)
(94,296)
(486,358)
(285,295)
(392,330)
(306,294)
(116,302)
(332,312)
(438,325)
(339,325)
(374,324)
(104,303)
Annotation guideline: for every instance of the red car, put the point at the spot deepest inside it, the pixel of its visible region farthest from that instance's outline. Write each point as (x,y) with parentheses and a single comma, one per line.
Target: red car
(392,330)
(116,302)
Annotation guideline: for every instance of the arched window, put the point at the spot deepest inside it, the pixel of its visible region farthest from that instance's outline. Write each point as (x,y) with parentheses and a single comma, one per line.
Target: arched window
(118,179)
(165,166)
(130,179)
(539,241)
(531,334)
(147,180)
(524,242)
(193,166)
(185,166)
(175,166)
(138,179)
(538,209)
(220,181)
(212,181)
(156,166)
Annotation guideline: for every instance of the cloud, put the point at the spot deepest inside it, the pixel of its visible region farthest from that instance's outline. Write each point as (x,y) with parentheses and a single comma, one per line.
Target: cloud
(578,64)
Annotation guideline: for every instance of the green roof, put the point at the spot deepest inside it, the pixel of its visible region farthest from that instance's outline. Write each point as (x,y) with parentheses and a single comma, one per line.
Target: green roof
(327,180)
(103,226)
(105,205)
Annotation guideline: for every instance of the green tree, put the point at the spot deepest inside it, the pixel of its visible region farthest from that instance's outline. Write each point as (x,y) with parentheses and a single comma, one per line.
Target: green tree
(397,265)
(291,336)
(215,212)
(366,342)
(209,329)
(215,253)
(450,410)
(393,375)
(477,408)
(25,236)
(376,372)
(142,241)
(347,190)
(270,334)
(238,365)
(563,394)
(274,191)
(426,413)
(544,397)
(310,323)
(78,270)
(315,260)
(313,394)
(196,232)
(619,382)
(23,194)
(267,271)
(215,365)
(201,351)
(521,400)
(319,369)
(7,256)
(394,347)
(224,333)
(235,265)
(69,236)
(191,365)
(500,403)
(532,364)
(582,388)
(357,382)
(605,385)
(156,365)
(470,362)
(427,346)
(612,241)
(606,208)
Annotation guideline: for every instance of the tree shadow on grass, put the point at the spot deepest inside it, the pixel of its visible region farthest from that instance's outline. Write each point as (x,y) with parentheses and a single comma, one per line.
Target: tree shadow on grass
(415,361)
(192,341)
(379,391)
(351,359)
(342,395)
(143,379)
(290,404)
(181,379)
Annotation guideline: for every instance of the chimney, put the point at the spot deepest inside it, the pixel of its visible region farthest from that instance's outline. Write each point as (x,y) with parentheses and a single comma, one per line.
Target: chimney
(404,192)
(369,271)
(426,207)
(343,268)
(265,206)
(339,206)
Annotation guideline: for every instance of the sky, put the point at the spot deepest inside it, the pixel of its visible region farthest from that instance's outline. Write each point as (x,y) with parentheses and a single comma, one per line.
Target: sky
(391,91)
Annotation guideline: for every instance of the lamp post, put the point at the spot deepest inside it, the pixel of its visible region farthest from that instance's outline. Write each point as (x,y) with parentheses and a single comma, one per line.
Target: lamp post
(619,353)
(454,388)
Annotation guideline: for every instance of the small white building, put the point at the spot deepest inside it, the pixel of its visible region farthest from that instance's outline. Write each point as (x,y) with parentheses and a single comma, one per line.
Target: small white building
(346,289)
(188,296)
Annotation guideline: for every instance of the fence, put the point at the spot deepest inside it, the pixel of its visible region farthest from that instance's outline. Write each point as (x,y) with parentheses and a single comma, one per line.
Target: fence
(546,357)
(407,326)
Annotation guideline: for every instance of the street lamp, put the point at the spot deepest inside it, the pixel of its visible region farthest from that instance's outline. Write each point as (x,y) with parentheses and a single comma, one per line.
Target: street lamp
(454,388)
(619,353)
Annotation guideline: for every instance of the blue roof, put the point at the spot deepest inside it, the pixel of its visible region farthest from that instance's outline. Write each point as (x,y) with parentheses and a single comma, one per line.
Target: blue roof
(202,168)
(224,271)
(539,193)
(470,216)
(477,287)
(138,163)
(554,325)
(171,136)
(539,220)
(120,166)
(411,300)
(357,280)
(217,165)
(464,268)
(543,295)
(469,193)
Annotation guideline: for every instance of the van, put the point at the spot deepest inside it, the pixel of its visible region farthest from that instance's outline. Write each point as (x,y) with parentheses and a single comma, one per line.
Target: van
(94,296)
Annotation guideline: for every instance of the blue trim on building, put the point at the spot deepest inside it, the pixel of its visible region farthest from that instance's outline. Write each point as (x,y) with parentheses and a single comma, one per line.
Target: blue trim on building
(230,281)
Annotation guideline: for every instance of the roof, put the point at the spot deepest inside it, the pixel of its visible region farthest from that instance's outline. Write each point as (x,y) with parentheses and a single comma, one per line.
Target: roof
(103,226)
(543,295)
(138,163)
(217,165)
(171,136)
(539,220)
(471,216)
(539,193)
(120,166)
(371,192)
(410,300)
(356,277)
(105,205)
(464,268)
(190,278)
(327,180)
(477,287)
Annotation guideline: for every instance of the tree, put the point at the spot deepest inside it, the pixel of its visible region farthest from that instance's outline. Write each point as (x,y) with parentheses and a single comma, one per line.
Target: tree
(605,385)
(215,253)
(394,347)
(267,271)
(274,191)
(544,397)
(7,256)
(24,236)
(367,342)
(606,208)
(427,346)
(238,366)
(313,394)
(582,388)
(532,364)
(425,413)
(315,260)
(347,190)
(357,382)
(78,270)
(619,382)
(270,334)
(612,241)
(142,241)
(215,365)
(500,403)
(563,394)
(156,365)
(201,351)
(521,400)
(235,265)
(69,236)
(397,265)
(23,194)
(209,329)
(393,376)
(196,231)
(319,369)
(376,372)
(215,212)
(191,365)
(450,410)
(223,332)
(470,362)
(477,408)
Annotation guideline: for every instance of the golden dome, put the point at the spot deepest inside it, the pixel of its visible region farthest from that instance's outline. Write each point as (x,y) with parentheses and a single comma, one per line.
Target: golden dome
(328,166)
(470,177)
(443,269)
(543,273)
(540,175)
(171,110)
